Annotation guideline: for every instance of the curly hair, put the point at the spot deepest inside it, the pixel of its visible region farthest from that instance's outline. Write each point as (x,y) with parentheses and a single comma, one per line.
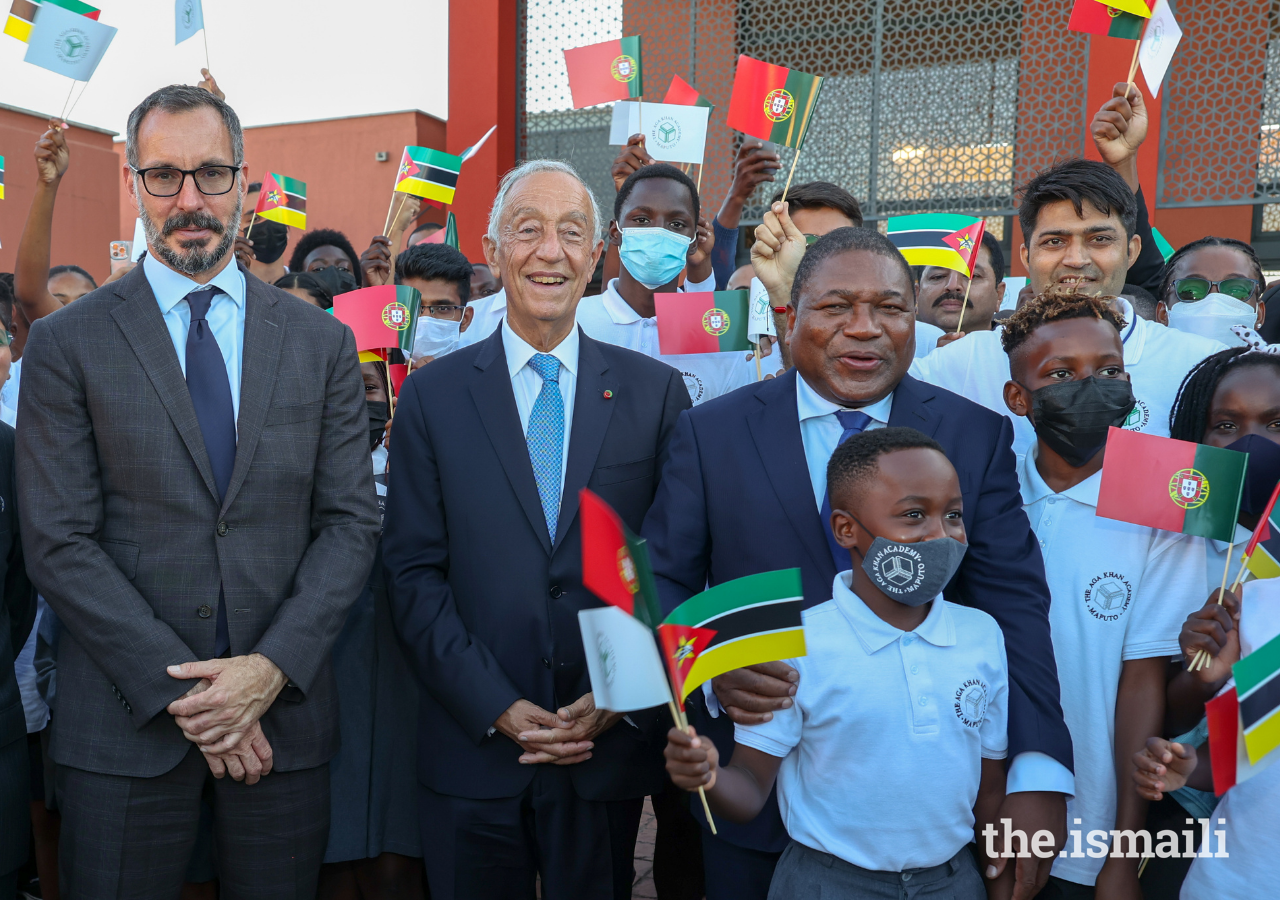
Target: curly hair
(323,237)
(1056,305)
(1190,414)
(1166,274)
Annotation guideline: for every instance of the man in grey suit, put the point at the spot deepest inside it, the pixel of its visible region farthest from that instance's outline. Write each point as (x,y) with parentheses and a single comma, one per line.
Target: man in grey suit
(198,508)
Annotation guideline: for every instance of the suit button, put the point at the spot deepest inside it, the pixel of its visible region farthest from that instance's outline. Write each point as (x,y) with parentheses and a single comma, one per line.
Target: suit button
(556,593)
(222,529)
(204,612)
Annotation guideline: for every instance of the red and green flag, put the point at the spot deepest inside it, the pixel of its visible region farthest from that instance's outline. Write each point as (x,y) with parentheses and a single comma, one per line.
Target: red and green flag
(615,563)
(448,235)
(382,317)
(22,15)
(771,102)
(283,199)
(1262,553)
(1258,688)
(1093,17)
(682,93)
(703,322)
(937,239)
(429,174)
(604,72)
(1175,485)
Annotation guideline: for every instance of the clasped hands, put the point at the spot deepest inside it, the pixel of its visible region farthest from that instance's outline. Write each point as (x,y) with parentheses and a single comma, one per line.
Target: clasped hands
(562,738)
(221,712)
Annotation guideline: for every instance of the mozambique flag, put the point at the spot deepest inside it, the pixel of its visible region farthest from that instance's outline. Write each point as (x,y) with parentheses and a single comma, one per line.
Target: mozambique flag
(448,235)
(382,317)
(22,15)
(1258,687)
(1262,553)
(706,322)
(604,72)
(1,177)
(937,239)
(739,623)
(681,93)
(1175,485)
(615,563)
(283,199)
(771,102)
(429,174)
(1093,17)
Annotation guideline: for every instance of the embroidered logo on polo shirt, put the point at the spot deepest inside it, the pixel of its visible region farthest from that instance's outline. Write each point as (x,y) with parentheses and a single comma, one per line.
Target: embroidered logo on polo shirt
(971,702)
(1108,596)
(1138,417)
(693,384)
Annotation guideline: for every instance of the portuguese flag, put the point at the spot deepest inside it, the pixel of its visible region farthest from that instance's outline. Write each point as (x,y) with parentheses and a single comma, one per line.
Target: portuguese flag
(604,72)
(22,15)
(1258,687)
(429,174)
(1093,17)
(937,239)
(771,102)
(382,317)
(739,623)
(706,322)
(1175,485)
(681,93)
(615,563)
(283,200)
(448,235)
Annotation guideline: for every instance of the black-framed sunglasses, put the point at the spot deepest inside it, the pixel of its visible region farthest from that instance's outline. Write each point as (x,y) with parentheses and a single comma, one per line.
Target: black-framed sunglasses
(1189,290)
(167,181)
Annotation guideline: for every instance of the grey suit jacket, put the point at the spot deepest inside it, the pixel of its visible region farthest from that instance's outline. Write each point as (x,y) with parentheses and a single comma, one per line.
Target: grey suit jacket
(127,541)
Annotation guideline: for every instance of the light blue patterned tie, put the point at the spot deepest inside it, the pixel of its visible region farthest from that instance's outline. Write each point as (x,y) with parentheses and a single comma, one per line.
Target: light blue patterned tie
(546,437)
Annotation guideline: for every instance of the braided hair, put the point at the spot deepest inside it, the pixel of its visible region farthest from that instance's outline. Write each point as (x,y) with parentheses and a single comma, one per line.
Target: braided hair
(1166,274)
(1190,415)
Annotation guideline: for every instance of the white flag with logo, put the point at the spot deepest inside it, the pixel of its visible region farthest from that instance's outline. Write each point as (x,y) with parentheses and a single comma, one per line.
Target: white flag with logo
(188,18)
(622,659)
(760,319)
(672,133)
(1159,42)
(67,43)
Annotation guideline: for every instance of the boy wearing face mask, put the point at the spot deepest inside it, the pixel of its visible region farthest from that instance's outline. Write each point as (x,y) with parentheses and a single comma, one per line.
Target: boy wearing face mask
(917,749)
(1119,592)
(443,276)
(656,224)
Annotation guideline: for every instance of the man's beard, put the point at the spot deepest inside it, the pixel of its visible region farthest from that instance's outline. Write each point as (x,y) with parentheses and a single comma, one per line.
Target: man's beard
(193,258)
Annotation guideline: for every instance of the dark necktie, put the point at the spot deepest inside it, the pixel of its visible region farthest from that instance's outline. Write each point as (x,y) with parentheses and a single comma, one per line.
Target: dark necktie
(210,390)
(853,422)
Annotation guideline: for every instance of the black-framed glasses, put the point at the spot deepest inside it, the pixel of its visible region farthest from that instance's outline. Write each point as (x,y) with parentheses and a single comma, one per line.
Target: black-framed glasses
(167,181)
(1189,290)
(444,312)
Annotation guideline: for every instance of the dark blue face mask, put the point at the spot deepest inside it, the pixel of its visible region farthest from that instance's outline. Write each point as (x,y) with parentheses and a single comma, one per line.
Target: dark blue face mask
(1262,473)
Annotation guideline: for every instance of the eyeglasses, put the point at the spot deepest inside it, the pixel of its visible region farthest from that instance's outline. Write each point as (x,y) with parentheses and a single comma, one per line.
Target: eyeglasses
(1189,290)
(166,181)
(444,312)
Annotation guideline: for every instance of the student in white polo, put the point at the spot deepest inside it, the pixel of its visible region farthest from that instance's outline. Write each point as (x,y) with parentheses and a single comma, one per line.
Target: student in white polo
(1119,592)
(655,224)
(890,761)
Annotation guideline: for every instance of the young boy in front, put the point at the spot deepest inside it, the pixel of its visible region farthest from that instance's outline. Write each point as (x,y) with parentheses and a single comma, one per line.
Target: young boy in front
(891,757)
(1119,592)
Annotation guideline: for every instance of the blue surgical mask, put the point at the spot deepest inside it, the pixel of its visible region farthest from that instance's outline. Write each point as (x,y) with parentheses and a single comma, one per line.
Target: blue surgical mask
(653,256)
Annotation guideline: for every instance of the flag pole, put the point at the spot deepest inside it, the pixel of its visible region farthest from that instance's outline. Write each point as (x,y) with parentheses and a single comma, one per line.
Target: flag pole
(1201,659)
(67,102)
(700,167)
(964,304)
(759,376)
(795,159)
(204,33)
(683,724)
(386,228)
(1133,65)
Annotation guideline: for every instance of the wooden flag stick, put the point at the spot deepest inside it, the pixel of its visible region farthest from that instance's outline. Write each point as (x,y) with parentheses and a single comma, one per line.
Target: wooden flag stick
(964,304)
(67,102)
(249,230)
(386,229)
(204,33)
(683,724)
(1201,659)
(640,115)
(795,159)
(759,374)
(391,393)
(700,165)
(1133,66)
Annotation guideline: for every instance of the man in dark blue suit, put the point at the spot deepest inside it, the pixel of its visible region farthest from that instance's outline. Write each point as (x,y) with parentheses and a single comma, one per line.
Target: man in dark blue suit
(520,775)
(744,492)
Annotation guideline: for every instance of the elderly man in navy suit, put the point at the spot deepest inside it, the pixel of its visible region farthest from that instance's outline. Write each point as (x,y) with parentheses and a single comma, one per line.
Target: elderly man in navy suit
(744,492)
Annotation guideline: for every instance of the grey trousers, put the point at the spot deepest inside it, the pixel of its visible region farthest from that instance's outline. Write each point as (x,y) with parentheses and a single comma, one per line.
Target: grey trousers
(807,873)
(132,837)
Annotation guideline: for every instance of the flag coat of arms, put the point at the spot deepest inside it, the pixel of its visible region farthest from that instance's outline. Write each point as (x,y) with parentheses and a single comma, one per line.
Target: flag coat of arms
(703,322)
(382,317)
(429,174)
(771,102)
(1175,485)
(283,199)
(1258,689)
(22,15)
(937,239)
(1092,17)
(67,42)
(682,93)
(604,72)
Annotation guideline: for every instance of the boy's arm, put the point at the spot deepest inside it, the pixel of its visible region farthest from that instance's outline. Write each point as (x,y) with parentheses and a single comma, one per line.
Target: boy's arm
(999,875)
(736,792)
(1139,713)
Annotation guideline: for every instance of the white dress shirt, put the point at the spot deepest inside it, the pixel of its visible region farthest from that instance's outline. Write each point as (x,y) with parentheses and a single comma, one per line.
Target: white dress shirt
(527,384)
(225,316)
(9,394)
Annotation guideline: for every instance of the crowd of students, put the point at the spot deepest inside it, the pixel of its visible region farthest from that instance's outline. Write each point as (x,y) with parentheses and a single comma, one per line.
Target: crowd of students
(1108,333)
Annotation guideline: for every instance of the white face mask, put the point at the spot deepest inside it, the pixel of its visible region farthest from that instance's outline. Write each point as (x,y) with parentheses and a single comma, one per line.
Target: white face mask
(1213,317)
(435,337)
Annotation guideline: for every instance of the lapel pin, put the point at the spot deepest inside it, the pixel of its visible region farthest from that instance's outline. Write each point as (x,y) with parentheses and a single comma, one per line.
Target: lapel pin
(608,395)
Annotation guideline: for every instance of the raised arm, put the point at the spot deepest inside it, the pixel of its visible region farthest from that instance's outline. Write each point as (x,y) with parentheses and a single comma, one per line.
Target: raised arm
(31,273)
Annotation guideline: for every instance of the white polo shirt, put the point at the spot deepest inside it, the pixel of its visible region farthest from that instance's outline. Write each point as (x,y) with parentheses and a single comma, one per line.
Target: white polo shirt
(486,316)
(1118,592)
(882,751)
(1157,359)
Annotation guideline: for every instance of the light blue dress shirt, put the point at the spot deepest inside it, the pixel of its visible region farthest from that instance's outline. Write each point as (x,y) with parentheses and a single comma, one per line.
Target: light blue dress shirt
(527,384)
(225,316)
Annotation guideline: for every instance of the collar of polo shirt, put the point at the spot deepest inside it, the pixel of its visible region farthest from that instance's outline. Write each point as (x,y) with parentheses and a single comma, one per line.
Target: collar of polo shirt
(938,628)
